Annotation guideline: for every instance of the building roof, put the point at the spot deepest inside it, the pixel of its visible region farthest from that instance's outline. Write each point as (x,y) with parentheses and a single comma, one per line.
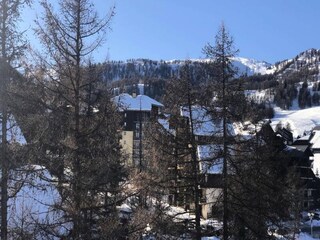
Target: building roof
(210,162)
(203,123)
(139,103)
(315,140)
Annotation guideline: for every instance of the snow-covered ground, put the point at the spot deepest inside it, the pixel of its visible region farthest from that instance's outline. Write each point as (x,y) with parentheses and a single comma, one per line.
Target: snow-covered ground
(32,205)
(302,236)
(305,236)
(301,121)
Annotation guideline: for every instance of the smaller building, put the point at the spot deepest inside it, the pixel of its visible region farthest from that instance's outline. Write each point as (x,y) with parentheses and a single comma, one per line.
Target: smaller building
(301,157)
(315,147)
(210,180)
(286,135)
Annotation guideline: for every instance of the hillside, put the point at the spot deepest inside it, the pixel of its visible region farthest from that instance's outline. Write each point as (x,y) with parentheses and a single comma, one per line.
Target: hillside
(308,60)
(146,68)
(291,85)
(300,121)
(306,63)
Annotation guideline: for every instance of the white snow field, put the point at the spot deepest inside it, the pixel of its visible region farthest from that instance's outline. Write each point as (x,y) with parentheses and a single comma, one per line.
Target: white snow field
(301,121)
(31,207)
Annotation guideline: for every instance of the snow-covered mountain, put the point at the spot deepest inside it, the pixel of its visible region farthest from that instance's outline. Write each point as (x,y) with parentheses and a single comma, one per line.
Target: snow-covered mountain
(244,65)
(252,66)
(308,60)
(146,68)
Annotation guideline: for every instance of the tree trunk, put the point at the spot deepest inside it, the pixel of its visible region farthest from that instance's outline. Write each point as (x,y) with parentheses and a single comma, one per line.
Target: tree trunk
(195,164)
(4,172)
(225,154)
(4,160)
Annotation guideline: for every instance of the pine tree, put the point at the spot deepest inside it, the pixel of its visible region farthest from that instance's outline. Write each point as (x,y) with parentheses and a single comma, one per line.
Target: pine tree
(315,99)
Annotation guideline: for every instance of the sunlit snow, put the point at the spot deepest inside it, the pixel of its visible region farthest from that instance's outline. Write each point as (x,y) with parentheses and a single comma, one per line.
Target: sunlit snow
(300,121)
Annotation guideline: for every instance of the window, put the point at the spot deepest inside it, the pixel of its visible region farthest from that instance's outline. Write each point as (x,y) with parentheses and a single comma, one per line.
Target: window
(124,133)
(136,144)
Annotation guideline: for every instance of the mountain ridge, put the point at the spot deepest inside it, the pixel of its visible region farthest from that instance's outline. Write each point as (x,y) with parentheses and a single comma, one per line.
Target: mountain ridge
(148,68)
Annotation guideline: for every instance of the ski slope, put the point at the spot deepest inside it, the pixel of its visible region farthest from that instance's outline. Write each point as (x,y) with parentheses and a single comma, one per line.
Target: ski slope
(301,120)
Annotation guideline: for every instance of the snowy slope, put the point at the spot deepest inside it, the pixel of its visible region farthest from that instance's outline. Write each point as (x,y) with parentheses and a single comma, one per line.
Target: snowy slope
(300,121)
(145,68)
(244,65)
(252,66)
(306,60)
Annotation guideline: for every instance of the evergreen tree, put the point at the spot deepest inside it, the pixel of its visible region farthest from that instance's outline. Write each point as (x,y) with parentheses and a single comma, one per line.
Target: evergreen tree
(315,99)
(304,97)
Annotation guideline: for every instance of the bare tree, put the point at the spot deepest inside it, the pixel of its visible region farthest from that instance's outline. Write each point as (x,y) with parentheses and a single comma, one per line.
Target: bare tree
(12,46)
(173,147)
(77,137)
(221,73)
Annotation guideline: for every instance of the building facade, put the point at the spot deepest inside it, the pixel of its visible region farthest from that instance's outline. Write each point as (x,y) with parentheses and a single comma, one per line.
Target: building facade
(136,111)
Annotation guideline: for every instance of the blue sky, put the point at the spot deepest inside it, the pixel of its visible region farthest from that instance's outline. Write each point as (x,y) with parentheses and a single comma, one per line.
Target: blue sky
(178,29)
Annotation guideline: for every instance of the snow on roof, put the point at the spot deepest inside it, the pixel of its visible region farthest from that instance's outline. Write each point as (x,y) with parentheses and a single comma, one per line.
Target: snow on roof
(203,123)
(125,208)
(305,137)
(289,148)
(166,125)
(207,155)
(138,103)
(315,140)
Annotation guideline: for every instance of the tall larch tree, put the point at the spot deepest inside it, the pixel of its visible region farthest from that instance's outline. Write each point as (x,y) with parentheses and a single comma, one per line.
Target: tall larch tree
(77,136)
(178,148)
(221,72)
